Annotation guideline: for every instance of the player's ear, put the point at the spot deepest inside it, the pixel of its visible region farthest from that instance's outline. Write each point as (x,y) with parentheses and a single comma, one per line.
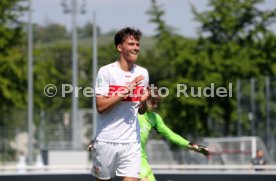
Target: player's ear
(119,47)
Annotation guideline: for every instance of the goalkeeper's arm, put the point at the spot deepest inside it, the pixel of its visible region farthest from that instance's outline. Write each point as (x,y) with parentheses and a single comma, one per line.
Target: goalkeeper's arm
(199,148)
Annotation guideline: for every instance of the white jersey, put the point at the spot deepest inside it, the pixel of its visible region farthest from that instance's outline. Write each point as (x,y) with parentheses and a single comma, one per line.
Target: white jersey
(120,123)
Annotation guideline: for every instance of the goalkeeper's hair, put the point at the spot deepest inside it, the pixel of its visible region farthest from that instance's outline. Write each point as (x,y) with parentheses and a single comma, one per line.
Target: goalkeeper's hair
(154,97)
(154,94)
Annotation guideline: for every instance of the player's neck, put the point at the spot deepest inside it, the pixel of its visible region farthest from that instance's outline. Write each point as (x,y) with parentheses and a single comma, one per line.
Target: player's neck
(124,65)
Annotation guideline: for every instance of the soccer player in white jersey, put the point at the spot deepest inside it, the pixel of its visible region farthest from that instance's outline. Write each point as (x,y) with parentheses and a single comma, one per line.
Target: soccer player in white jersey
(120,87)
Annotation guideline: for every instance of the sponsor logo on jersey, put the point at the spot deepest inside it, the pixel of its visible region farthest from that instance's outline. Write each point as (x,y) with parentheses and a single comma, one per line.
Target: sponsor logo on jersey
(135,95)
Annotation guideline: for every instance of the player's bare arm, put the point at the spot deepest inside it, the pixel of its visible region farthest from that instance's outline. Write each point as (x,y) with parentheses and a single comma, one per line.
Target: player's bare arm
(104,103)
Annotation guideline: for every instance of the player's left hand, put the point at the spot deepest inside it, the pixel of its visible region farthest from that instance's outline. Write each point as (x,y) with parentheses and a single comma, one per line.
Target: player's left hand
(199,148)
(90,146)
(134,83)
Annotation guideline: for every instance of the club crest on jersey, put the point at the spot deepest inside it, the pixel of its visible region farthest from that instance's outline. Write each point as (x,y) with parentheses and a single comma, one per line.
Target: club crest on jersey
(100,81)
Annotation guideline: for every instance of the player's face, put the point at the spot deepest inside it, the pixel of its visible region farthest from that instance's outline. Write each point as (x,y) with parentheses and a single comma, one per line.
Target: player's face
(153,103)
(129,49)
(260,153)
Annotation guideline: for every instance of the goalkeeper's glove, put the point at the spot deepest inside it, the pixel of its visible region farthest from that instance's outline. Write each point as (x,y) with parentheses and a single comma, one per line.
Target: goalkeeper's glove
(199,148)
(90,146)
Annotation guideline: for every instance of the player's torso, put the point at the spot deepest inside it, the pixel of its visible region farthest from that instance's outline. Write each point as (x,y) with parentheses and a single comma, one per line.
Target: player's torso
(120,79)
(119,124)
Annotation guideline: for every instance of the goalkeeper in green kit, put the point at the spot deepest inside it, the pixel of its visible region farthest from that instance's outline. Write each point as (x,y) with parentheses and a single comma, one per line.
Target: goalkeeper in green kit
(148,120)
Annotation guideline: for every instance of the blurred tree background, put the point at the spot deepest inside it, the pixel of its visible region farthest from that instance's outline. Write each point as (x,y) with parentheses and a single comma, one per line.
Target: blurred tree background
(234,42)
(13,72)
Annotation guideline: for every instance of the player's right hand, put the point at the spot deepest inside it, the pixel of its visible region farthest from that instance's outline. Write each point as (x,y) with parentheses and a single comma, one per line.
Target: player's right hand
(199,148)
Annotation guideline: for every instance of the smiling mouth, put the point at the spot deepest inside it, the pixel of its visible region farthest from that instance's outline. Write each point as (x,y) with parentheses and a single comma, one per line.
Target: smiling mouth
(134,53)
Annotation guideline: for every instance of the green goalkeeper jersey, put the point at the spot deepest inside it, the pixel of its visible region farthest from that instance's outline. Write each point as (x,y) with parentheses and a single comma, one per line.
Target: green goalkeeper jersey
(150,120)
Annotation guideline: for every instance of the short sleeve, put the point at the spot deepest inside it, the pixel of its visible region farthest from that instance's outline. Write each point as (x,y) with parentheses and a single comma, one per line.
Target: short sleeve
(146,77)
(102,83)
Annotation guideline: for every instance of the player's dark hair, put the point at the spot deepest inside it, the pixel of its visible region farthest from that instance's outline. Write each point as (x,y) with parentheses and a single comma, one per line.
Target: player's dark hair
(121,35)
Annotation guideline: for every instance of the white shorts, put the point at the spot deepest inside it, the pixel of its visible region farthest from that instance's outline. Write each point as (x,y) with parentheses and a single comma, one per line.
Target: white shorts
(116,159)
